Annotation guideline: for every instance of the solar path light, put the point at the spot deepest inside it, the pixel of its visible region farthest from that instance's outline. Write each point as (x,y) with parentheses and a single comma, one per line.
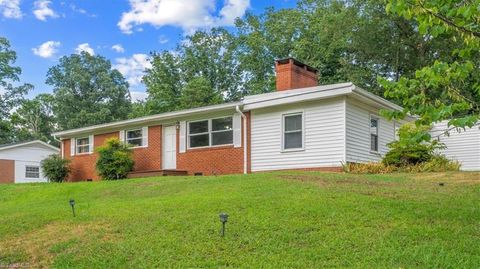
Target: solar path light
(223,219)
(72,204)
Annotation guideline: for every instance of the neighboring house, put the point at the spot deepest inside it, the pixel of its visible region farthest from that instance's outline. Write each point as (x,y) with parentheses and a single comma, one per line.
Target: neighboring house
(20,162)
(462,145)
(300,126)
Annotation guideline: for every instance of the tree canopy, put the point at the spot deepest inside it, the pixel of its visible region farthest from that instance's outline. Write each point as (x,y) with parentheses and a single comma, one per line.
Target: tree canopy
(87,91)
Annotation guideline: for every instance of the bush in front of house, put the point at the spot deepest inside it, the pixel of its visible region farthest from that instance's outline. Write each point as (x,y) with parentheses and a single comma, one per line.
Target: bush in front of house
(114,160)
(55,169)
(413,152)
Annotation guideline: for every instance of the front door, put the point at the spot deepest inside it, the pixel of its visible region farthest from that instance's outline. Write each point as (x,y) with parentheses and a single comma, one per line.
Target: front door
(169,147)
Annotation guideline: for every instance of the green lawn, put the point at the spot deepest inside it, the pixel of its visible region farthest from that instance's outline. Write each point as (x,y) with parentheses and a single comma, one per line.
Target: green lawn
(277,220)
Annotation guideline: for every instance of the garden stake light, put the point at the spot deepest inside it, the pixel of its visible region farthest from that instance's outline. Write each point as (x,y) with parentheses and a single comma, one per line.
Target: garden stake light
(72,204)
(223,219)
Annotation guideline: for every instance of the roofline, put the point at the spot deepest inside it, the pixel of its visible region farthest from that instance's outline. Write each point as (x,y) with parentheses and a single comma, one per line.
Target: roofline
(29,143)
(249,103)
(156,117)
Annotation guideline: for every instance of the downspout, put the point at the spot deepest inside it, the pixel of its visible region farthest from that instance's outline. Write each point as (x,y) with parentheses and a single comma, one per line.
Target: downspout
(61,146)
(245,170)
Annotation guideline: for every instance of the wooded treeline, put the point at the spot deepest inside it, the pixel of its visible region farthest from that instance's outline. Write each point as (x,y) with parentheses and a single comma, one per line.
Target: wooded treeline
(421,54)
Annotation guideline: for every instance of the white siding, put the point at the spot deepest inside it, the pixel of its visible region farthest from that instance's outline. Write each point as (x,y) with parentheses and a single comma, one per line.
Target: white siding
(358,133)
(27,155)
(324,136)
(463,146)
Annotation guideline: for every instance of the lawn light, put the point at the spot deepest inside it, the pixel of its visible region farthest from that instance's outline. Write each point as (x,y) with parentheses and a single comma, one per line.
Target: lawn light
(223,219)
(72,204)
(441,184)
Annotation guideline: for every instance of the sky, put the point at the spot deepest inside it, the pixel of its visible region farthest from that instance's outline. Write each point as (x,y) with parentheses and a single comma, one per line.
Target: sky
(124,31)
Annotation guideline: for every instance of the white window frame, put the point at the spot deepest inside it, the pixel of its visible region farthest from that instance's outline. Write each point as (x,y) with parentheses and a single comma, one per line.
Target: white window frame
(142,136)
(209,132)
(76,145)
(32,166)
(283,149)
(373,117)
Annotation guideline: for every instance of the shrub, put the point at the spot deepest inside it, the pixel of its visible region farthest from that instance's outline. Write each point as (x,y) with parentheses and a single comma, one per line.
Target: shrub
(114,160)
(55,168)
(413,147)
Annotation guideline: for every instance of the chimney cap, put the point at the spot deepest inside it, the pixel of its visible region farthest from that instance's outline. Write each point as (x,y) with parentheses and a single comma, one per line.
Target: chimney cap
(297,63)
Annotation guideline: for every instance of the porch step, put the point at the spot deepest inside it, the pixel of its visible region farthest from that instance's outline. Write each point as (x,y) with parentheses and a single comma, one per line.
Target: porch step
(156,173)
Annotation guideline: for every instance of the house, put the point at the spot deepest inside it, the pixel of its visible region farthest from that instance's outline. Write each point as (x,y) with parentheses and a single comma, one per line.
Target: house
(460,144)
(20,162)
(299,126)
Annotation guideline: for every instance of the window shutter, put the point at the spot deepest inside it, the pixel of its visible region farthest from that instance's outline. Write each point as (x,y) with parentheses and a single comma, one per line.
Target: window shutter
(90,143)
(121,136)
(183,135)
(72,146)
(237,130)
(145,136)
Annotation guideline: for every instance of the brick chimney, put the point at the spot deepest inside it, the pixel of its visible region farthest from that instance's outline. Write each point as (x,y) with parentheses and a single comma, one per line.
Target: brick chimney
(292,74)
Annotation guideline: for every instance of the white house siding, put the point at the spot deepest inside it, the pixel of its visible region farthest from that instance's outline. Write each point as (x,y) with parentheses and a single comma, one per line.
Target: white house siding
(358,132)
(324,144)
(463,145)
(27,155)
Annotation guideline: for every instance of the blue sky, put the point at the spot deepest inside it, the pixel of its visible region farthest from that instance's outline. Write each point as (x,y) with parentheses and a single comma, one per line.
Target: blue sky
(124,31)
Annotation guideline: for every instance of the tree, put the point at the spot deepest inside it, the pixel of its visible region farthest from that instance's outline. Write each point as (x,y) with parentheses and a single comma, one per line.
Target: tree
(55,168)
(34,119)
(447,89)
(88,91)
(199,92)
(114,160)
(10,95)
(206,57)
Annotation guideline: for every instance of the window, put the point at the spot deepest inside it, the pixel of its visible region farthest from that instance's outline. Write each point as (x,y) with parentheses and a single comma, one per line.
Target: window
(292,131)
(373,134)
(83,145)
(134,137)
(32,171)
(212,132)
(222,131)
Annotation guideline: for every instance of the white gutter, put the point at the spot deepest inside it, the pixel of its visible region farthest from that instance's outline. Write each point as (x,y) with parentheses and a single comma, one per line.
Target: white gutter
(245,169)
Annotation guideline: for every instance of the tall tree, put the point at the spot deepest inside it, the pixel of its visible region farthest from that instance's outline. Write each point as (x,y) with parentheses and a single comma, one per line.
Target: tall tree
(448,89)
(34,119)
(207,59)
(10,95)
(88,91)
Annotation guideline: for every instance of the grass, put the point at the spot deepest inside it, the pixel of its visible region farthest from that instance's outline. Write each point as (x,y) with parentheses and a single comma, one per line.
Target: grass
(277,220)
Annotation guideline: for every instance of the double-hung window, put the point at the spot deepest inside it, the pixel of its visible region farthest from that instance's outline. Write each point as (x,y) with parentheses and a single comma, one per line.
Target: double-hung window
(211,132)
(374,134)
(82,145)
(293,131)
(134,137)
(32,171)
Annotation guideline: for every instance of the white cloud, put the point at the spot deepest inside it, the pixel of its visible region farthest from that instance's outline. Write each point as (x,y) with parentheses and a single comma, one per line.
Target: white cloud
(138,96)
(47,49)
(10,9)
(187,14)
(163,39)
(42,10)
(84,47)
(133,68)
(118,48)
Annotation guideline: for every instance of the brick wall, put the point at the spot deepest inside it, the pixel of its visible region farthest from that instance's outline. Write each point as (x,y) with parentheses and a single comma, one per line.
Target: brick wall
(148,158)
(213,160)
(7,171)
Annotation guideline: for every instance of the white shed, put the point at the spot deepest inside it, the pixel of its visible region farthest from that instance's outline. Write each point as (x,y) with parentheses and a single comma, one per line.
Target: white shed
(20,162)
